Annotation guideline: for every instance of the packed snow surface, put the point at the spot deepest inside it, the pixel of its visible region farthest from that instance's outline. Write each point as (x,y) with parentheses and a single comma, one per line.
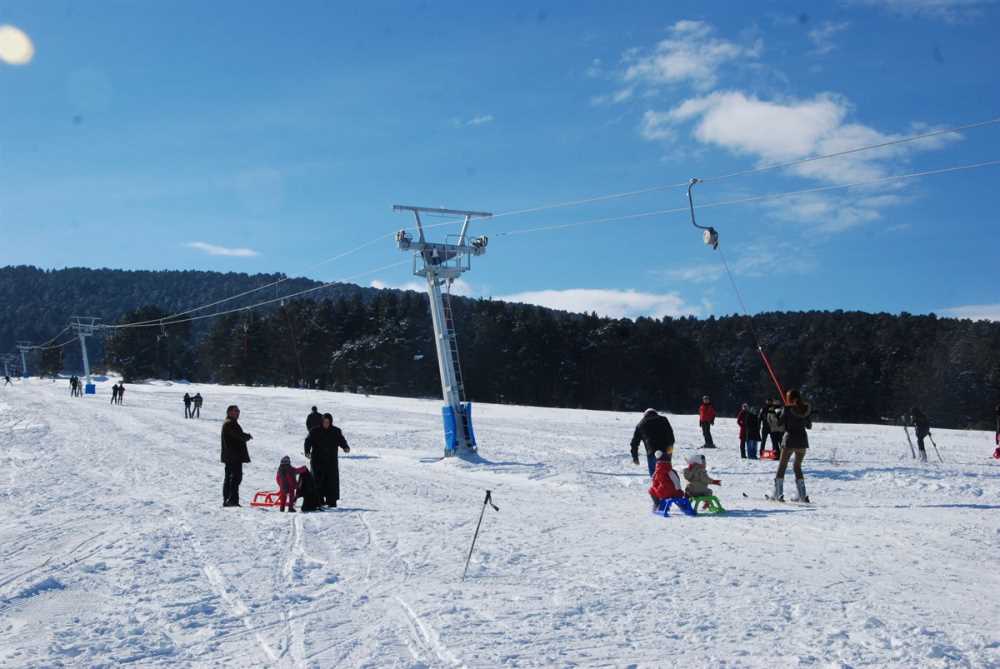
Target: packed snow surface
(115,548)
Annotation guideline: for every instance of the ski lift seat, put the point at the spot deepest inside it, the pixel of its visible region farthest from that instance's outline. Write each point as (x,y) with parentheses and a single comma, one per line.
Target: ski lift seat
(683,503)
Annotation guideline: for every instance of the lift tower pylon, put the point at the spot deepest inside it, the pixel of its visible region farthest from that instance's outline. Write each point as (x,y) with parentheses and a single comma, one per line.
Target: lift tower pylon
(24,347)
(440,264)
(84,327)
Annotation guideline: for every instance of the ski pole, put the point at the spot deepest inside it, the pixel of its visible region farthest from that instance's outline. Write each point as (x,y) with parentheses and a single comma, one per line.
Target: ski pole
(488,500)
(935,448)
(908,440)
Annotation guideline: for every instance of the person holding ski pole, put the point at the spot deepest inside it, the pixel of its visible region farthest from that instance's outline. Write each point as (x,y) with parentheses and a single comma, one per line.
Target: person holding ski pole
(656,434)
(922,427)
(795,419)
(706,419)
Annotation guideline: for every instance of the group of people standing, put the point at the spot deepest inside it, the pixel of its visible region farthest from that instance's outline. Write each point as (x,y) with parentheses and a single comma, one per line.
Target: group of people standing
(192,405)
(785,422)
(75,386)
(118,393)
(321,448)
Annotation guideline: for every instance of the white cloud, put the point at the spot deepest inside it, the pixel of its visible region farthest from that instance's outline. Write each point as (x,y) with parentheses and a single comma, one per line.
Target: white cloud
(481,119)
(608,302)
(822,36)
(16,47)
(948,10)
(975,312)
(791,129)
(763,259)
(215,250)
(691,53)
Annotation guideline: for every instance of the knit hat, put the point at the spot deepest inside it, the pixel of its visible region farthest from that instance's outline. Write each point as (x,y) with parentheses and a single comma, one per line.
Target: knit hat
(696,459)
(706,399)
(658,455)
(286,460)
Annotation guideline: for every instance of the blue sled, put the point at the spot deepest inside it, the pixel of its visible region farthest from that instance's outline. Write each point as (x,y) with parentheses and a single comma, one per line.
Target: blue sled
(680,502)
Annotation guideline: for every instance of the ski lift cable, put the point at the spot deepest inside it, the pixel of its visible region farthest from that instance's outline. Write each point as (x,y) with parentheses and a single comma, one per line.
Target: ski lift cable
(251,307)
(752,199)
(754,170)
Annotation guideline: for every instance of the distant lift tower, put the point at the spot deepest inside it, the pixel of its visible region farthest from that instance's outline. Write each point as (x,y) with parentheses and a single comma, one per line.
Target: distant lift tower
(440,265)
(24,347)
(84,327)
(7,359)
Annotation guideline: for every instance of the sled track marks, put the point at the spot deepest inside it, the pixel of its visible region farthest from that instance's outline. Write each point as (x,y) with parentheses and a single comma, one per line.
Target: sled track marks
(425,637)
(52,565)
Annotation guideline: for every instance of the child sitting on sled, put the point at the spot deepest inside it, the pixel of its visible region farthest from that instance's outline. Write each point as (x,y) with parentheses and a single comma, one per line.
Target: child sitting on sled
(288,483)
(666,483)
(698,478)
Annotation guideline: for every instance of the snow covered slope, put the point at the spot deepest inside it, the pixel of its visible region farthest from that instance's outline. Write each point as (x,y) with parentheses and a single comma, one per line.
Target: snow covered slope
(114,547)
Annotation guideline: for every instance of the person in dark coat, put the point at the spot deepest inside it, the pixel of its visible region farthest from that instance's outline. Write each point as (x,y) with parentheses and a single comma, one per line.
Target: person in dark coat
(234,455)
(752,426)
(313,420)
(795,419)
(197,400)
(922,426)
(741,420)
(321,449)
(121,391)
(187,405)
(656,434)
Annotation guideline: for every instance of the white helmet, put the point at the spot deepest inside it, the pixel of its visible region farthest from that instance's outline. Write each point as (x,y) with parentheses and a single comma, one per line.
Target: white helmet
(696,459)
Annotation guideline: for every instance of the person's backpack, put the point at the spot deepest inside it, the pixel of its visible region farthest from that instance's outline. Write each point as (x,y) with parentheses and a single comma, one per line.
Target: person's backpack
(309,492)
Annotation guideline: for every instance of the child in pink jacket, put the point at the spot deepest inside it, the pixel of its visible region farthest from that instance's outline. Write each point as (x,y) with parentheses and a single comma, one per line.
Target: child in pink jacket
(288,483)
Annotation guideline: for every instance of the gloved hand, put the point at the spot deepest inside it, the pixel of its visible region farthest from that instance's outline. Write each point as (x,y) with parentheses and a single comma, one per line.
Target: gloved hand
(635,460)
(347,449)
(308,456)
(249,436)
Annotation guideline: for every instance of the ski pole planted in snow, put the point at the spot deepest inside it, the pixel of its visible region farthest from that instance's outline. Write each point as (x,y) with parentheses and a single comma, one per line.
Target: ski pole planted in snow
(935,447)
(488,500)
(908,440)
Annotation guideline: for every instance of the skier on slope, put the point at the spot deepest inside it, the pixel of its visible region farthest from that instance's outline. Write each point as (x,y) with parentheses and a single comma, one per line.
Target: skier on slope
(922,427)
(656,434)
(706,419)
(234,455)
(187,405)
(795,419)
(741,420)
(321,447)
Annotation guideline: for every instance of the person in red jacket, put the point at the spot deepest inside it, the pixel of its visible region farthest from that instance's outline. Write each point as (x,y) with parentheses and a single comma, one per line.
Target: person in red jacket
(706,418)
(741,420)
(288,483)
(666,483)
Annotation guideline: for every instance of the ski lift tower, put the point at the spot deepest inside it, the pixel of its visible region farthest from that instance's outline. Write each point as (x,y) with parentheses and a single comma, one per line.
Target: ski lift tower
(24,347)
(84,327)
(440,264)
(7,359)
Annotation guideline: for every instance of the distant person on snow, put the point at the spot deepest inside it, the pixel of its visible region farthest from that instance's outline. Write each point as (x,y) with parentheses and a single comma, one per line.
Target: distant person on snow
(121,391)
(765,428)
(321,448)
(656,434)
(795,419)
(666,484)
(234,455)
(752,427)
(313,420)
(697,477)
(197,399)
(741,420)
(922,427)
(288,483)
(114,392)
(6,380)
(706,418)
(774,425)
(187,405)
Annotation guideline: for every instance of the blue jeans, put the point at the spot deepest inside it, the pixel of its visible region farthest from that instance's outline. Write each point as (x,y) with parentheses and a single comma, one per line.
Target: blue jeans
(651,461)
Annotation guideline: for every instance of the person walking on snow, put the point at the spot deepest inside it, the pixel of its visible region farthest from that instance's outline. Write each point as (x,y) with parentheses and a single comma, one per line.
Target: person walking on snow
(774,425)
(706,418)
(321,447)
(697,477)
(313,420)
(795,419)
(922,427)
(656,434)
(288,483)
(741,420)
(187,405)
(234,455)
(197,399)
(666,484)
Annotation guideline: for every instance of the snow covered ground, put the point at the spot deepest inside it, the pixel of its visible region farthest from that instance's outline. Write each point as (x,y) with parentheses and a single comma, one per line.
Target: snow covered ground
(114,547)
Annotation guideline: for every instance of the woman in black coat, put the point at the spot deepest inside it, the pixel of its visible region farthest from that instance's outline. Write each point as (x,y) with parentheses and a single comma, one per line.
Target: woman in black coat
(321,449)
(795,419)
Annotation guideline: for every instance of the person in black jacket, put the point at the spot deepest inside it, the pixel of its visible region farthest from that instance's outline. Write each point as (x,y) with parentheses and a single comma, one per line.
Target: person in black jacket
(656,434)
(313,420)
(187,405)
(196,409)
(321,449)
(234,454)
(795,419)
(922,427)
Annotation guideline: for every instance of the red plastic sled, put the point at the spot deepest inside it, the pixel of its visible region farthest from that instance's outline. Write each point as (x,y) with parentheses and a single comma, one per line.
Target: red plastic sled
(768,455)
(266,498)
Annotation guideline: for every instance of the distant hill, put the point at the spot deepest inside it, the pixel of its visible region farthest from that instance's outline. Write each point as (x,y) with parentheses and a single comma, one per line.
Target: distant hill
(853,366)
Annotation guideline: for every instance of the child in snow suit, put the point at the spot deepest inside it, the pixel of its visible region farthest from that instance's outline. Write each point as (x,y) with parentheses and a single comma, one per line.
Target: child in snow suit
(752,427)
(697,477)
(666,484)
(288,483)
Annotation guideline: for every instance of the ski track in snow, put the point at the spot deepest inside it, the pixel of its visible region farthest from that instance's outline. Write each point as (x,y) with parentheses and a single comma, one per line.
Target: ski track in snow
(114,548)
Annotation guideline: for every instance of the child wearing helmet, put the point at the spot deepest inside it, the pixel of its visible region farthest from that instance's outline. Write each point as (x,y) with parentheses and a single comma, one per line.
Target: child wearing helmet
(698,478)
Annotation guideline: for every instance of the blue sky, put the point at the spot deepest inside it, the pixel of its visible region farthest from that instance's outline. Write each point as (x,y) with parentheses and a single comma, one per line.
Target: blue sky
(265,137)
